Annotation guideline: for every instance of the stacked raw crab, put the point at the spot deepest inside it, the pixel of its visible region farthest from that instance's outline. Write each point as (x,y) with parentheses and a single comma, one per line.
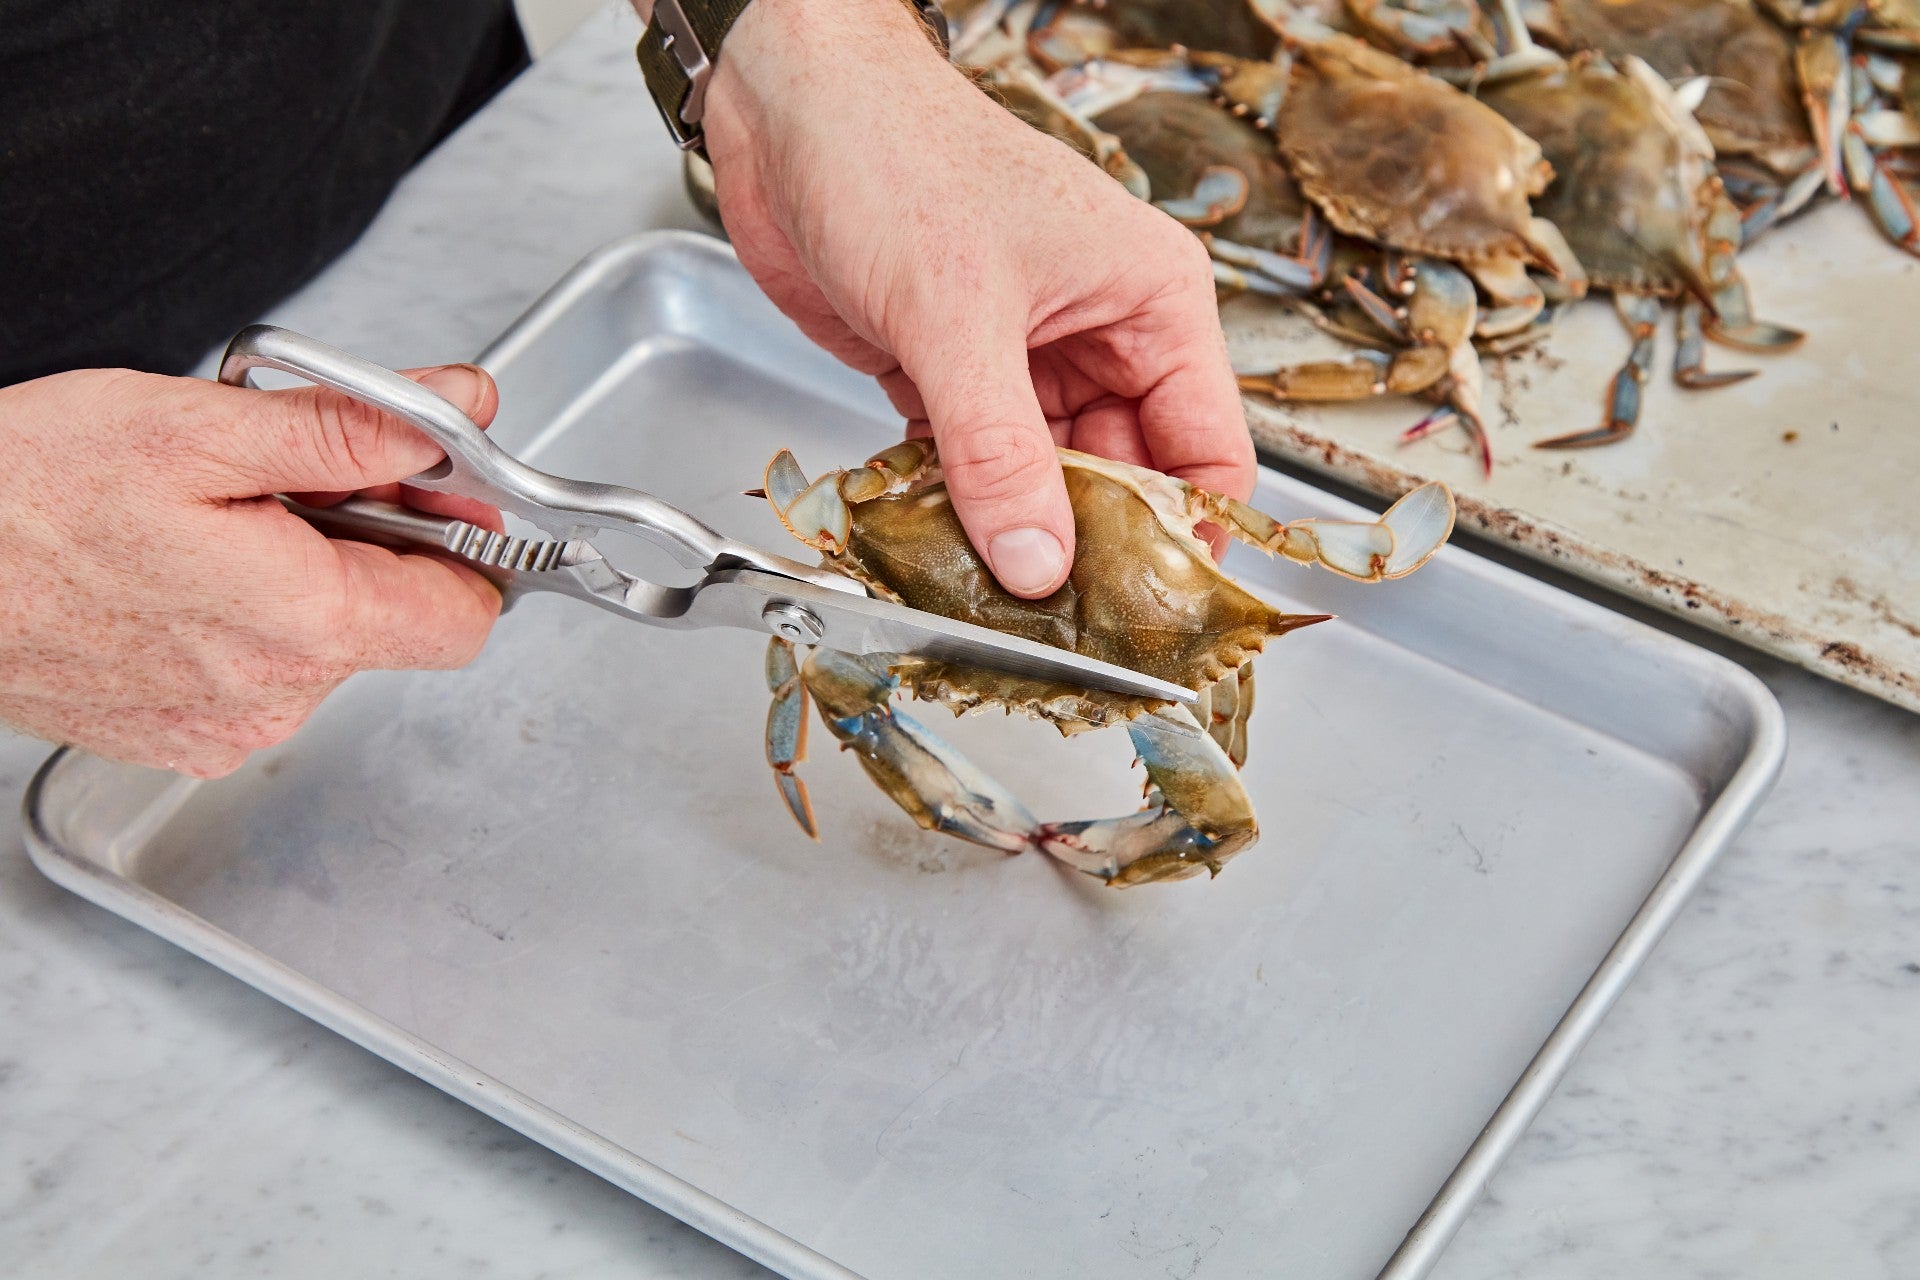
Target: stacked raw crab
(1425,181)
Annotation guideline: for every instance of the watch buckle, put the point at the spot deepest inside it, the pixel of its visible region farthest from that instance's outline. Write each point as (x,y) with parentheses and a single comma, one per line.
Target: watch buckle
(678,38)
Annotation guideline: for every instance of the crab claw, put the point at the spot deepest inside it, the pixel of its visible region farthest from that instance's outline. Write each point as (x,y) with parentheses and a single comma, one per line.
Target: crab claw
(1623,406)
(936,786)
(1421,522)
(1197,815)
(1689,358)
(1220,193)
(814,513)
(1887,198)
(1641,314)
(1696,379)
(1756,335)
(1615,429)
(1273,273)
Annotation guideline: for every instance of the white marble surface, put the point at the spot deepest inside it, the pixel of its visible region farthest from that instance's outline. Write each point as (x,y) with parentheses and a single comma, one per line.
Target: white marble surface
(1751,1109)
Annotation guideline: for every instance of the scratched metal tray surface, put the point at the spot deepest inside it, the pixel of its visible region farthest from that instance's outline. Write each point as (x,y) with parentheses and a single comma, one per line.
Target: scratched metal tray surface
(560,886)
(1778,511)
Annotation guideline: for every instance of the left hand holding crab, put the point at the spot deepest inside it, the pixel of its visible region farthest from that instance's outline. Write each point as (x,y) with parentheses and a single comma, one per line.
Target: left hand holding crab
(1007,295)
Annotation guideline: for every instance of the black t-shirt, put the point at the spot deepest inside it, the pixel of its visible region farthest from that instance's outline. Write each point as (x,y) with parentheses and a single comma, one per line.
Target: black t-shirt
(170,168)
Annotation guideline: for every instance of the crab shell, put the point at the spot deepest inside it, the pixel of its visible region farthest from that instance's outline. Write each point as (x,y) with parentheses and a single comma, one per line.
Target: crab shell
(1753,105)
(1178,138)
(1144,591)
(1636,172)
(1069,32)
(1391,154)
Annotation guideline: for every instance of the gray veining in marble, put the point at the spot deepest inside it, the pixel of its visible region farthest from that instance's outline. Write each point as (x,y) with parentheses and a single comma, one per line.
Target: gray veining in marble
(1751,1109)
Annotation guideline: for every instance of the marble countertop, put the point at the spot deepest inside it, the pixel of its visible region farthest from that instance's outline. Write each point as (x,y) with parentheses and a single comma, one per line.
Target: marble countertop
(1750,1109)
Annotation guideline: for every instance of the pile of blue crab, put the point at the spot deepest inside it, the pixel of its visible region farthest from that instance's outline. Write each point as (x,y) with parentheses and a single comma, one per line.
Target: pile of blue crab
(1431,180)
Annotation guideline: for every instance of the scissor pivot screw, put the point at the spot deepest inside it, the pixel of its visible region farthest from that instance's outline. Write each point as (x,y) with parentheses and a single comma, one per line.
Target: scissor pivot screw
(792,622)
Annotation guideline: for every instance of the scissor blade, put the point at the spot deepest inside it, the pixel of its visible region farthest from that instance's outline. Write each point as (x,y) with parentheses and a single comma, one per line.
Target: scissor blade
(862,625)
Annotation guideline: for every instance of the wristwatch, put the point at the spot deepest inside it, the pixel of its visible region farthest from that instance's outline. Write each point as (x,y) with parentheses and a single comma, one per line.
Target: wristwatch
(682,43)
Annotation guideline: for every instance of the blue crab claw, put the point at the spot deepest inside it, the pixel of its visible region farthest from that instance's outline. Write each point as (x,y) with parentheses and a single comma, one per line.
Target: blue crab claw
(1689,358)
(1420,522)
(1887,198)
(814,513)
(1755,335)
(1197,814)
(1220,193)
(1623,413)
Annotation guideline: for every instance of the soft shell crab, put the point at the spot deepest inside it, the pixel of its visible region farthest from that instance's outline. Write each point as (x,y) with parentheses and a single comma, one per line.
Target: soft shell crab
(1637,196)
(1144,592)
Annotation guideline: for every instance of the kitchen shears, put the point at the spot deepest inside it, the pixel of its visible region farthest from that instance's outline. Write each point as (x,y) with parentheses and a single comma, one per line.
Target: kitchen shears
(740,586)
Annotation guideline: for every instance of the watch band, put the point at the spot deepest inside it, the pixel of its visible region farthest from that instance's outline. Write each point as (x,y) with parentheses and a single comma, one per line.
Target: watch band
(681,45)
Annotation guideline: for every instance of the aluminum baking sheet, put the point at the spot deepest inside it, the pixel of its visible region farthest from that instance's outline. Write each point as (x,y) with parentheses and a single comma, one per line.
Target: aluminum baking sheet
(1778,512)
(560,886)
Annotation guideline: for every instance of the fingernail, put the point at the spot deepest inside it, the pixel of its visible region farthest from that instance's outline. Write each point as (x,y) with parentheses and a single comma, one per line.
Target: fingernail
(460,383)
(1027,561)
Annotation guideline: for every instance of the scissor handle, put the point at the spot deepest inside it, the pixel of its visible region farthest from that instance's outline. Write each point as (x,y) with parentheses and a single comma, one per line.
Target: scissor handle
(475,466)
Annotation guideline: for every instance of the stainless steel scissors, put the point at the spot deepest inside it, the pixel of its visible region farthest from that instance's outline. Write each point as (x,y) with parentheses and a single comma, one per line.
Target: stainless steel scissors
(740,586)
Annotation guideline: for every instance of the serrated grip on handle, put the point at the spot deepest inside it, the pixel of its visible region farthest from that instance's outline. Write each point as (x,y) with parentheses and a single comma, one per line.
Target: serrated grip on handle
(402,528)
(503,551)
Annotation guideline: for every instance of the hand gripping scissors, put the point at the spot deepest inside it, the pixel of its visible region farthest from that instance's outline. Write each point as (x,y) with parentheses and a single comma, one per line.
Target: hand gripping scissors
(740,586)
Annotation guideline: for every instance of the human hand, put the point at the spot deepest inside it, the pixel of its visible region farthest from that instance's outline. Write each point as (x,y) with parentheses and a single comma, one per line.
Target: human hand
(156,608)
(1007,294)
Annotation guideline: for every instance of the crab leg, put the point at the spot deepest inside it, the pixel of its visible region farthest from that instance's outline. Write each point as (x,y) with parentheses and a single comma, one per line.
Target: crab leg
(1732,321)
(1689,358)
(1887,197)
(1274,274)
(1197,815)
(787,732)
(1396,544)
(1437,324)
(1820,63)
(935,785)
(1769,211)
(1641,314)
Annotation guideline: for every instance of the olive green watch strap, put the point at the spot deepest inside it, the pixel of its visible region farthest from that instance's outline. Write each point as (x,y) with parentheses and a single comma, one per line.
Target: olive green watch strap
(681,45)
(677,55)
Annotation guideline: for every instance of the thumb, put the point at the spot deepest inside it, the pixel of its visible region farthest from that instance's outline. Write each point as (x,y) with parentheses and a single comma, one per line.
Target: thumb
(998,459)
(315,441)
